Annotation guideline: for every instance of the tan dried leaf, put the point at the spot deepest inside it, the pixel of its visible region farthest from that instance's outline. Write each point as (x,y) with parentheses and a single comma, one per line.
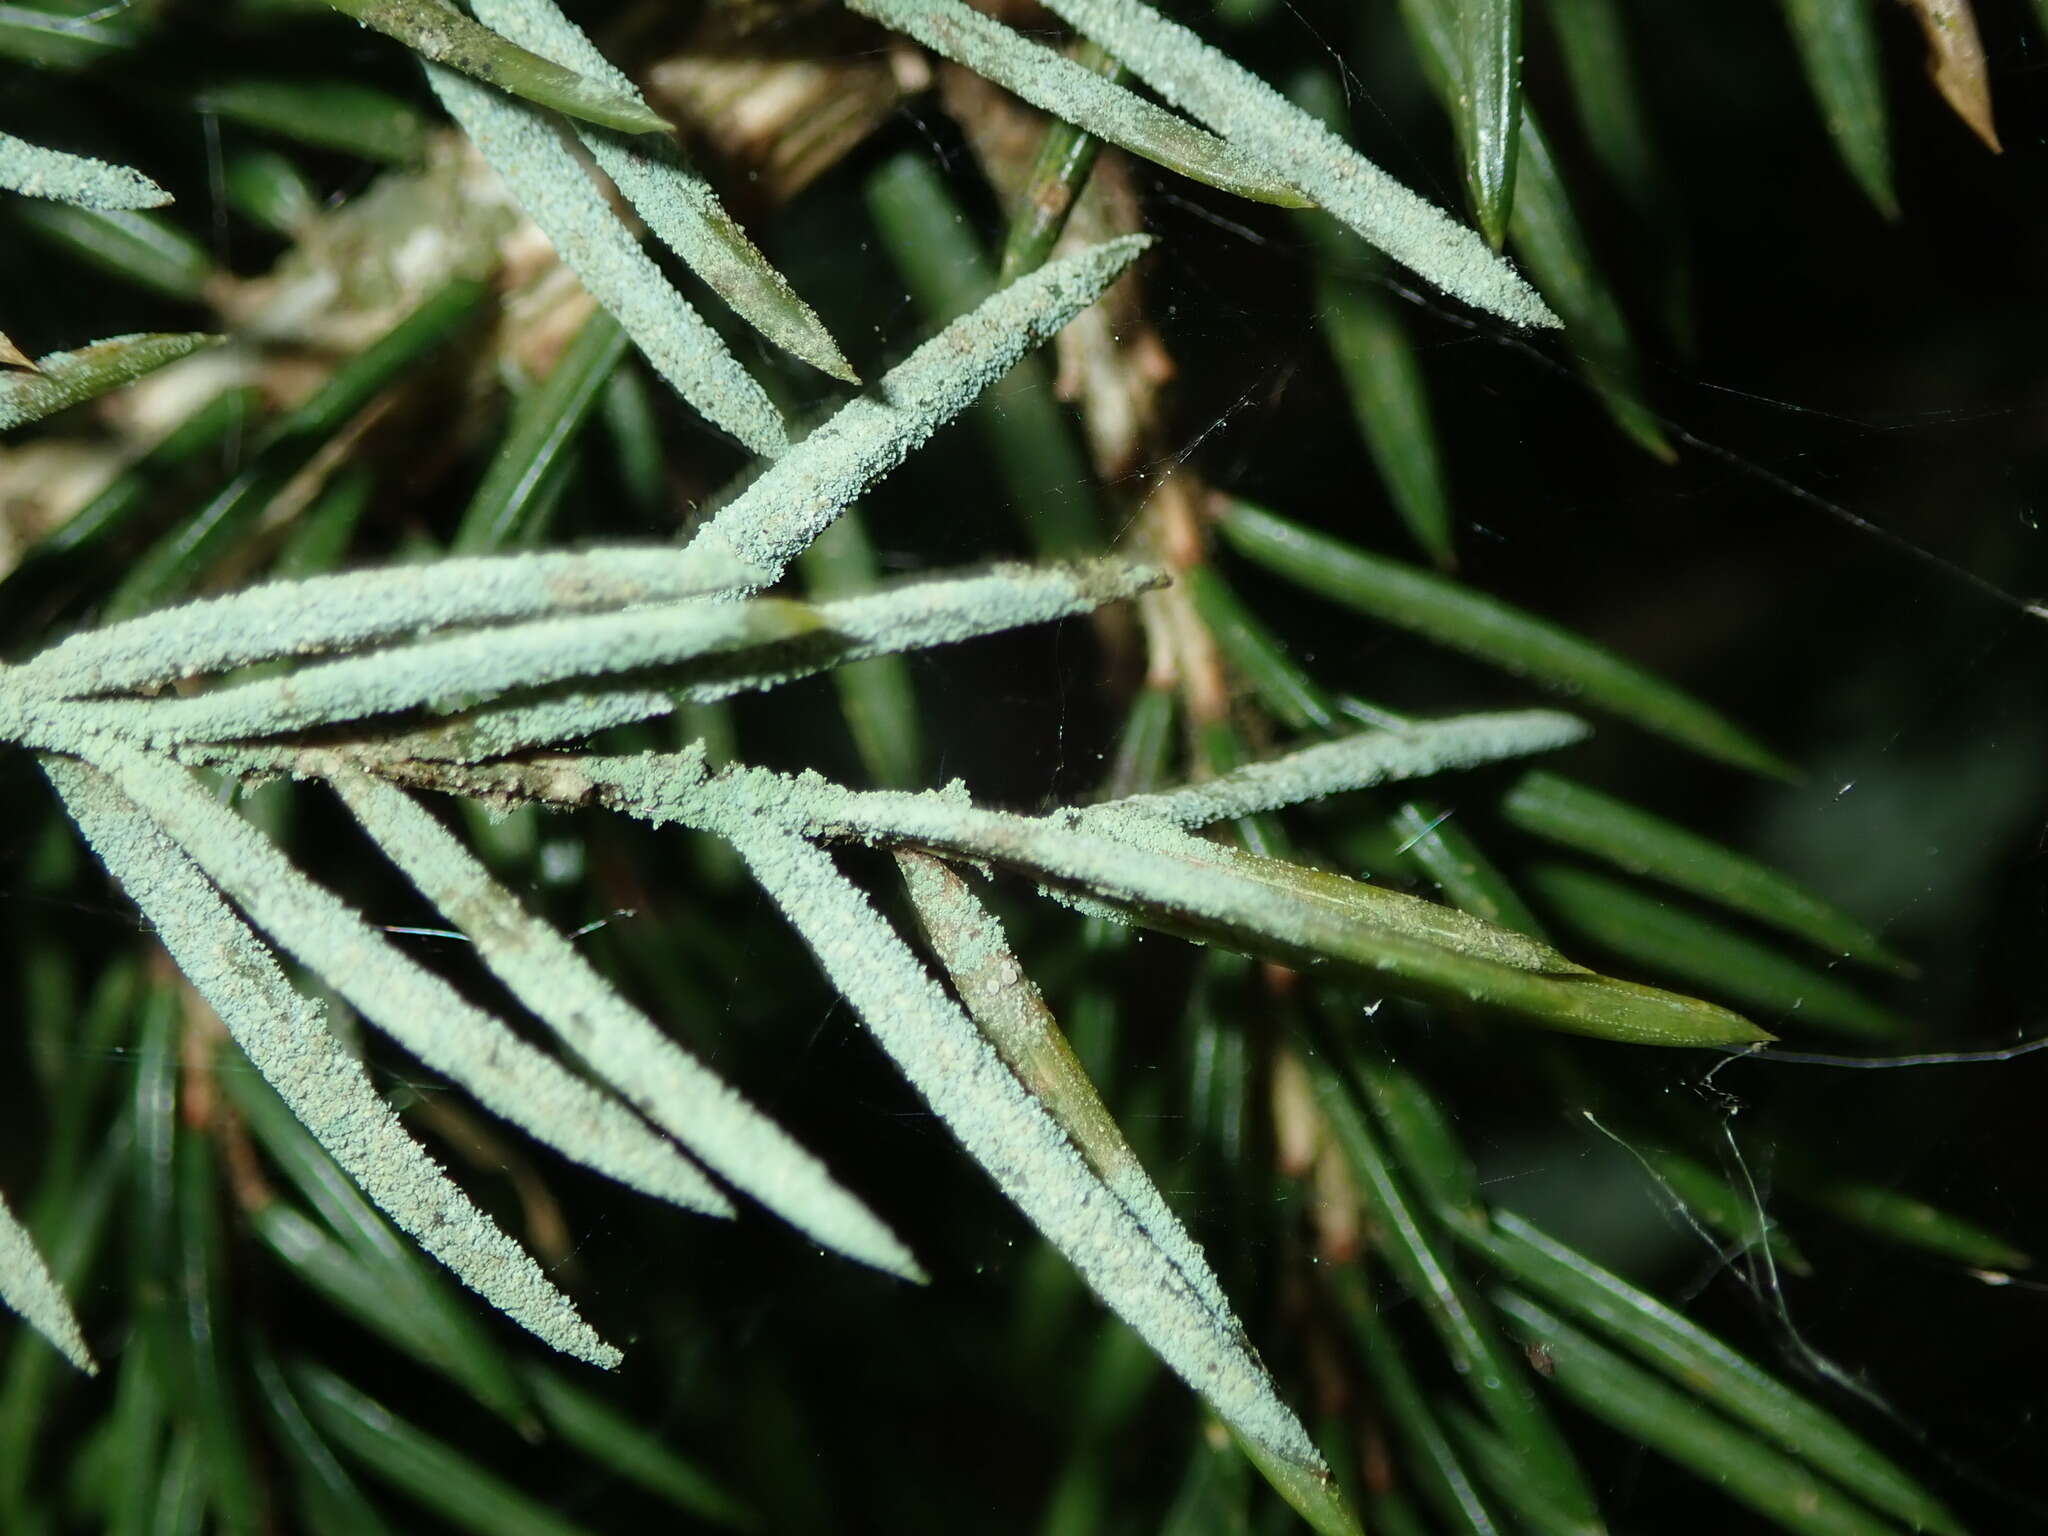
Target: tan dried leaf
(1955,61)
(778,119)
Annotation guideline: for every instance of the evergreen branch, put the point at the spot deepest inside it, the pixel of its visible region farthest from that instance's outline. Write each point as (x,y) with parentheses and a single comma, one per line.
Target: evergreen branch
(525,146)
(797,498)
(494,679)
(1012,1015)
(707,650)
(547,973)
(1080,96)
(415,1007)
(1152,873)
(282,1035)
(361,608)
(1244,109)
(457,669)
(62,379)
(436,31)
(1010,1134)
(678,205)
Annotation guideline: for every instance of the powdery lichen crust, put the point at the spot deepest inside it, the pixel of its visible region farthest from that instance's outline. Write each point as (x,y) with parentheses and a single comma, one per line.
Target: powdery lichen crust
(797,498)
(649,1070)
(34,171)
(524,145)
(282,1034)
(677,204)
(1244,109)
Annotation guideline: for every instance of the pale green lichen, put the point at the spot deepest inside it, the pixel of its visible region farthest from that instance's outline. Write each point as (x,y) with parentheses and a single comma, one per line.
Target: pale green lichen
(708,650)
(27,1286)
(1079,96)
(1008,1132)
(674,1090)
(1340,898)
(339,613)
(931,612)
(283,1036)
(448,671)
(1360,761)
(497,730)
(63,379)
(1207,83)
(1009,1011)
(1163,878)
(526,148)
(796,499)
(677,205)
(416,1008)
(35,171)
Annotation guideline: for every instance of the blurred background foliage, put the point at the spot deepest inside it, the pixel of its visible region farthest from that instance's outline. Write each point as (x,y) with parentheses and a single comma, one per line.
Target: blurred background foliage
(1789,453)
